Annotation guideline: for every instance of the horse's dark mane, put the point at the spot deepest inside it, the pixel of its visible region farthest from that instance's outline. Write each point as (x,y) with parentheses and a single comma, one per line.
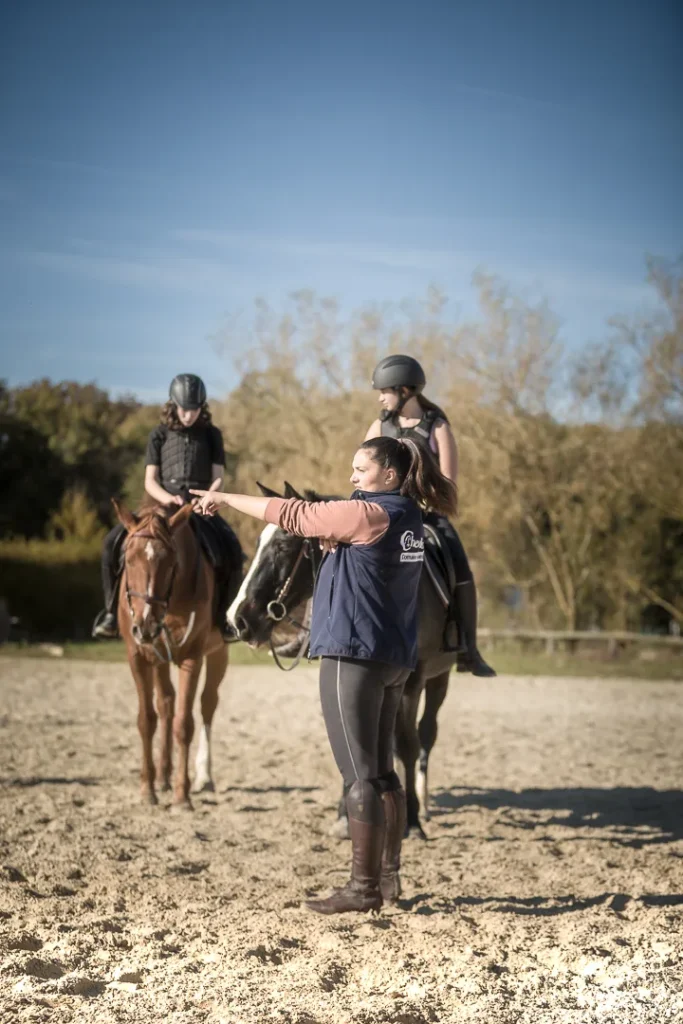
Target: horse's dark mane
(314,496)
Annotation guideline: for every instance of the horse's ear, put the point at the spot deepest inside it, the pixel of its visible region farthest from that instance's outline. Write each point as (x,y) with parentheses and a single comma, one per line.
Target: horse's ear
(266,491)
(124,515)
(290,492)
(179,517)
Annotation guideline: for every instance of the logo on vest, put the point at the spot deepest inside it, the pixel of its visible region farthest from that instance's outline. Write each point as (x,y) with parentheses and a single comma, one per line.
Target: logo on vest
(413,547)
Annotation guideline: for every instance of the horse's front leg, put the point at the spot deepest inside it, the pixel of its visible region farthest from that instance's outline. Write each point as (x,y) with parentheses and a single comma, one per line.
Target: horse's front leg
(147,723)
(435,694)
(408,748)
(183,726)
(165,707)
(216,667)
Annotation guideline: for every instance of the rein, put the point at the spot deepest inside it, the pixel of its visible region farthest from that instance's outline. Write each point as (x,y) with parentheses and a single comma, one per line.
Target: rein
(276,610)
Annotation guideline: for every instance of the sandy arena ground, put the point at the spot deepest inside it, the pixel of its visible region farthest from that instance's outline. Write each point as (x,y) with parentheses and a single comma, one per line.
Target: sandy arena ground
(550,888)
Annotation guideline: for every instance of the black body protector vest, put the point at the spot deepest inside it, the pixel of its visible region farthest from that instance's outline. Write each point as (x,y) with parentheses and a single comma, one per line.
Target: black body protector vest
(421,432)
(185,460)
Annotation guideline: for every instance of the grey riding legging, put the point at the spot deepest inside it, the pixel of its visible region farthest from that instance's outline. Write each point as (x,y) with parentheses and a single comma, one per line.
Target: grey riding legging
(360,701)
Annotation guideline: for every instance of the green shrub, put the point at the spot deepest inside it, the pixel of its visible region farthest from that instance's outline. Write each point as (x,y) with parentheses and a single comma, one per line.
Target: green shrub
(52,586)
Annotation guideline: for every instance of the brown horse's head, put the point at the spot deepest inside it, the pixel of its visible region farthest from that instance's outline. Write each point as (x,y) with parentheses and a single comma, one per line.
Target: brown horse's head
(151,562)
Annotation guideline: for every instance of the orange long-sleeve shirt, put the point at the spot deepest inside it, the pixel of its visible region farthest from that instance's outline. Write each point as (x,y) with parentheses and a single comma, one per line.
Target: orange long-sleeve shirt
(347,522)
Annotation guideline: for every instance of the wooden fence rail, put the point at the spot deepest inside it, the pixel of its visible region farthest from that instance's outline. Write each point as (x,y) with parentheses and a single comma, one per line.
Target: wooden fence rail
(552,638)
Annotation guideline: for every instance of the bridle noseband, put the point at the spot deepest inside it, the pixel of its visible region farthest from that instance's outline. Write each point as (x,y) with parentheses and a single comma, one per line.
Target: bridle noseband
(277,611)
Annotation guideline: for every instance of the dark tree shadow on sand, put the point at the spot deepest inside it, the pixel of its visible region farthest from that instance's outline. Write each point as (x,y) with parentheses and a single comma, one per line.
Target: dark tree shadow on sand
(536,906)
(634,816)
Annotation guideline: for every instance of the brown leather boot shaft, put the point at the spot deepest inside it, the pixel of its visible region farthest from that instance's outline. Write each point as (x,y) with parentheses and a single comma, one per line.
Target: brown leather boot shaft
(395,816)
(362,892)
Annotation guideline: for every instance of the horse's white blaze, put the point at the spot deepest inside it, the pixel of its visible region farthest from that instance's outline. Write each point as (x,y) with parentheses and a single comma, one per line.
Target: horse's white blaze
(149,551)
(263,541)
(202,764)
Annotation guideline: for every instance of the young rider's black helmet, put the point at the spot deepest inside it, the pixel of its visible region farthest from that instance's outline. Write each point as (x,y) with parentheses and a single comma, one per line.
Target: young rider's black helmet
(188,391)
(398,372)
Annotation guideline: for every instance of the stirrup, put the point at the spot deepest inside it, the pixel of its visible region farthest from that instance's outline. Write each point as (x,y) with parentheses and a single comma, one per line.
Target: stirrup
(98,622)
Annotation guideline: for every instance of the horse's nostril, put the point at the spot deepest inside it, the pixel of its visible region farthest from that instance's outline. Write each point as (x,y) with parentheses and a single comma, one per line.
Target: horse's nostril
(242,627)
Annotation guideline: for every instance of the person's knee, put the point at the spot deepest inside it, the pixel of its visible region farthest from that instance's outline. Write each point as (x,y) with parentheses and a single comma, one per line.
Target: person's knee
(364,801)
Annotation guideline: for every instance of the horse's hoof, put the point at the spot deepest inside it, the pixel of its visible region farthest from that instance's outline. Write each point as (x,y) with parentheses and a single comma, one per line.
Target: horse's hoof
(415,832)
(165,787)
(207,786)
(181,806)
(149,797)
(340,829)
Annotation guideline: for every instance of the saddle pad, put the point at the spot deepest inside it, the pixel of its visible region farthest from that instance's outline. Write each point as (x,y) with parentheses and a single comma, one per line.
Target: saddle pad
(210,532)
(438,565)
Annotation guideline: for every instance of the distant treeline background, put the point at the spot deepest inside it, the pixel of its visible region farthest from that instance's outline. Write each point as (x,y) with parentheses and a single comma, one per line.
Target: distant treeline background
(571,481)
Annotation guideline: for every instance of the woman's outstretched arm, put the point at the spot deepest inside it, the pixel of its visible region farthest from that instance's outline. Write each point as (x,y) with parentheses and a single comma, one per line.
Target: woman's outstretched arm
(346,522)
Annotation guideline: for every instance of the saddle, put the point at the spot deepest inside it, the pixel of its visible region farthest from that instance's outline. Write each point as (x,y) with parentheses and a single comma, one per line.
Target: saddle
(438,565)
(215,539)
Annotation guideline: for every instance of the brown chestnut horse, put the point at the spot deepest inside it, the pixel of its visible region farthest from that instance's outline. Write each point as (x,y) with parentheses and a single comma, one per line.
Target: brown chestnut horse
(165,614)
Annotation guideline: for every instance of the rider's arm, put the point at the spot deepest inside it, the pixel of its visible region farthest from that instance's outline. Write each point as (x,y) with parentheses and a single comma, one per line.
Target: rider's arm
(152,463)
(217,458)
(447,450)
(374,430)
(156,491)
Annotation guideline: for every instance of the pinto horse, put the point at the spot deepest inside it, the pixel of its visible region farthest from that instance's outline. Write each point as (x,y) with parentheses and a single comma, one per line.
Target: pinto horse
(165,614)
(281,578)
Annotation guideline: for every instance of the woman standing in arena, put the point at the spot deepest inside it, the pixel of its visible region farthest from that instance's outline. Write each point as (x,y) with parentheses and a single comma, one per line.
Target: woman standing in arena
(364,629)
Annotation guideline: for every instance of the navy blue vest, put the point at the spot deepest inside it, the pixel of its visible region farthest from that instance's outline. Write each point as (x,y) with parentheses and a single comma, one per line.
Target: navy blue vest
(365,600)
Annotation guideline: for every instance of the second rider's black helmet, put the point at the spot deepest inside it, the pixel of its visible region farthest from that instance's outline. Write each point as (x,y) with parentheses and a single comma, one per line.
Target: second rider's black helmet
(188,391)
(398,372)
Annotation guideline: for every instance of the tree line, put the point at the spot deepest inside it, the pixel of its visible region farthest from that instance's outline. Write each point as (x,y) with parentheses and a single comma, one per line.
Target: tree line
(571,479)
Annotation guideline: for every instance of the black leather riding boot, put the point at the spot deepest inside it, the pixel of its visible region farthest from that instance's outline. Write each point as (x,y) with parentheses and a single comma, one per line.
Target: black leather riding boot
(367,829)
(453,641)
(105,625)
(395,816)
(465,602)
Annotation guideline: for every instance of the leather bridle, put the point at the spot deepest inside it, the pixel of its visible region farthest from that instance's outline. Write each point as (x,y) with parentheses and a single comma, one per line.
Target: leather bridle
(277,610)
(151,599)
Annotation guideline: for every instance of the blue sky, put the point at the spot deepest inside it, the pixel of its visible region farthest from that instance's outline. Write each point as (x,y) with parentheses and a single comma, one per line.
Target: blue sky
(164,163)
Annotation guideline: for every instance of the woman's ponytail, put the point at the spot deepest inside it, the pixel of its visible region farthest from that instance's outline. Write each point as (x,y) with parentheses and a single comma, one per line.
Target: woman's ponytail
(418,472)
(425,483)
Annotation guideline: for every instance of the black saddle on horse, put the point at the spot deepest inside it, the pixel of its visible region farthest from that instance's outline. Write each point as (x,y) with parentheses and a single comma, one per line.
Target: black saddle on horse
(218,542)
(438,564)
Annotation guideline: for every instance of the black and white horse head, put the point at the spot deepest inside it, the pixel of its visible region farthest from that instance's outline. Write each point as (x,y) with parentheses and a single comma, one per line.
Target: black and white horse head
(279,580)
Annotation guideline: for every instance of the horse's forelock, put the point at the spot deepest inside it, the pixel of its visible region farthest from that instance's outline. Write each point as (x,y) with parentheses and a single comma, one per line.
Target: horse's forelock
(154,519)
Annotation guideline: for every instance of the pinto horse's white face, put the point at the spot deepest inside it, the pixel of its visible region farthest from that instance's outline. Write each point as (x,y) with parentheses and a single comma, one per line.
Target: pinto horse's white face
(273,563)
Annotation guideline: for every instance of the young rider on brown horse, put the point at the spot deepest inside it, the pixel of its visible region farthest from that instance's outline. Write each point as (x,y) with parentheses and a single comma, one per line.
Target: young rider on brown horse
(407,413)
(364,629)
(184,451)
